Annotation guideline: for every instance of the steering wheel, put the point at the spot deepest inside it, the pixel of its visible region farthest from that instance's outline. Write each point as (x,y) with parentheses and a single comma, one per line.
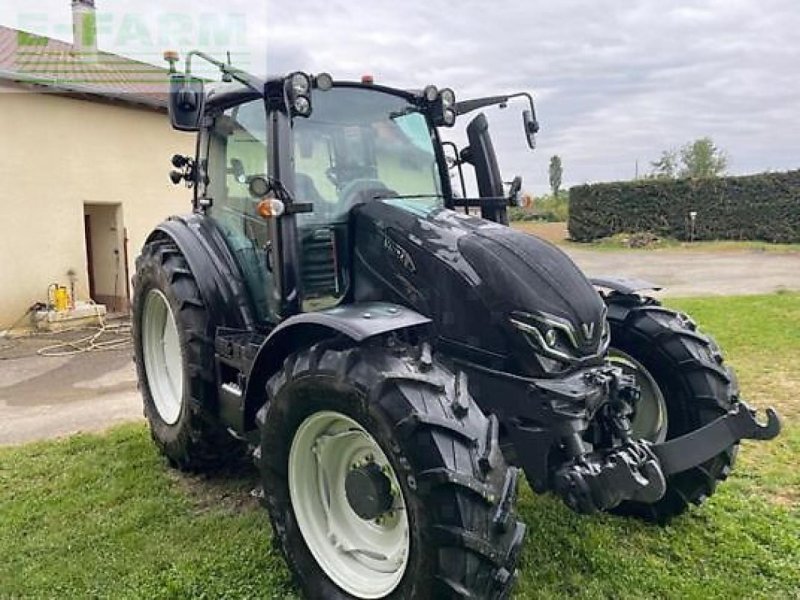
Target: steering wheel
(360,191)
(330,173)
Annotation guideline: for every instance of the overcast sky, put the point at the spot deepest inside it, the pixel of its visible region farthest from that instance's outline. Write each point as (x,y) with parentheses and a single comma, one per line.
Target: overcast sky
(615,81)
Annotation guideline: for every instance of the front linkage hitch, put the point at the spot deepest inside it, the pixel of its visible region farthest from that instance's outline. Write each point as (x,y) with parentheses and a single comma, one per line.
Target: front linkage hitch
(637,469)
(592,481)
(549,433)
(598,482)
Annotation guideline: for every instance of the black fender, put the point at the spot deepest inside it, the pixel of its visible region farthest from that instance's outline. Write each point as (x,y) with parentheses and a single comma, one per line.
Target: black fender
(358,322)
(623,285)
(217,275)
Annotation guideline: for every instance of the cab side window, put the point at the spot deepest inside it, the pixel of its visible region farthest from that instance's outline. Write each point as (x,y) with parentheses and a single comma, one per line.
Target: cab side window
(237,151)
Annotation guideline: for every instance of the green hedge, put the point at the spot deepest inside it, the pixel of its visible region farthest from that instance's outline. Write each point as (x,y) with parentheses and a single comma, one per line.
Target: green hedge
(542,208)
(755,207)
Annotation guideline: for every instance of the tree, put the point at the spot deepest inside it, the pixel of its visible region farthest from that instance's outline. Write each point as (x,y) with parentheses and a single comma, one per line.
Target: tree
(556,172)
(665,167)
(702,158)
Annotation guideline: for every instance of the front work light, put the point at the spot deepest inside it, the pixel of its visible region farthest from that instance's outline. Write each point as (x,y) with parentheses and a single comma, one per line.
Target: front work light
(442,107)
(297,87)
(301,84)
(324,81)
(448,98)
(302,106)
(431,93)
(259,186)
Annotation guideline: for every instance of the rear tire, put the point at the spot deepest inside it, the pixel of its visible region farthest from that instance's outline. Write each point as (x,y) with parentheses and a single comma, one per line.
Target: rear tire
(697,388)
(174,355)
(464,538)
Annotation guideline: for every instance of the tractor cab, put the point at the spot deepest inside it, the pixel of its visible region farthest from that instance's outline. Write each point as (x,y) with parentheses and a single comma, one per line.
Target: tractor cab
(357,145)
(282,163)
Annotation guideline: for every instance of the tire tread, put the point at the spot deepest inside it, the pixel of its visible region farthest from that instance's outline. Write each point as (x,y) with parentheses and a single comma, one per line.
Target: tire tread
(202,443)
(434,441)
(646,330)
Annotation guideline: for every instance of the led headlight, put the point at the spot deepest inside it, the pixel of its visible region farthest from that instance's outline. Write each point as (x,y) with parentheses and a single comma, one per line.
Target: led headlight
(558,339)
(543,339)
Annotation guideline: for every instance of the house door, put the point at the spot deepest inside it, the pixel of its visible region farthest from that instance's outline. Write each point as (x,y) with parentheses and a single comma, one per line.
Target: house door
(105,256)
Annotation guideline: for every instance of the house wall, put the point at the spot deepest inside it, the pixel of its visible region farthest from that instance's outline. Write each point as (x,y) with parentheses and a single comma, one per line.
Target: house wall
(58,154)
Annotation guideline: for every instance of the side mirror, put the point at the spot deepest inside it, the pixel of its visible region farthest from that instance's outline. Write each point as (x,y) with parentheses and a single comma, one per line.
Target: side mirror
(186,102)
(513,192)
(237,170)
(480,154)
(531,126)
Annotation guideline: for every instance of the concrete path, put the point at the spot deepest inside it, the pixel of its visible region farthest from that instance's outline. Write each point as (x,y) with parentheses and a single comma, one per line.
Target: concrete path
(50,397)
(44,397)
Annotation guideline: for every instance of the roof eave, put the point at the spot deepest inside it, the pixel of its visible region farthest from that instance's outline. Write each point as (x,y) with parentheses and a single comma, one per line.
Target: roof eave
(76,88)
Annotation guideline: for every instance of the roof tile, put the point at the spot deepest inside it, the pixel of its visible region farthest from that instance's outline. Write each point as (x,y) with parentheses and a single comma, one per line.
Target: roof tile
(31,58)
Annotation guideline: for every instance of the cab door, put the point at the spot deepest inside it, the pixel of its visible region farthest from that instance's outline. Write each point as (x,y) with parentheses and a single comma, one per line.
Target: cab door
(236,150)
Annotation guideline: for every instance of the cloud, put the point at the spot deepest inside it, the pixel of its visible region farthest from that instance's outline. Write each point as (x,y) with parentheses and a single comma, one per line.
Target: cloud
(616,82)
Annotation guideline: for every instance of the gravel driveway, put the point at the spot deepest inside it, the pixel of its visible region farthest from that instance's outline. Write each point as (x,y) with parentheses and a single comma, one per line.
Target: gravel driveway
(50,397)
(698,273)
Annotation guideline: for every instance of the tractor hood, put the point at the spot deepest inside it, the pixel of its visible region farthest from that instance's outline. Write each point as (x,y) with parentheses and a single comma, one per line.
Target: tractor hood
(495,292)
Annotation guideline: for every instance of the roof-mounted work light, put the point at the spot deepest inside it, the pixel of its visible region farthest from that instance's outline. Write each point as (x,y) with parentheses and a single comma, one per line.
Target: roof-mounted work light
(324,81)
(441,104)
(298,94)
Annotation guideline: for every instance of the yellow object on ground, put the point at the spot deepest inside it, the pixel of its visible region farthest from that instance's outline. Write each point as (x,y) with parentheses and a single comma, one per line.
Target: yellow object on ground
(61,298)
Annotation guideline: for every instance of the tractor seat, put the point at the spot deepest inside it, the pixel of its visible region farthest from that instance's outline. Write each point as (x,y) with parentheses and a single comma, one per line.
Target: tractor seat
(306,191)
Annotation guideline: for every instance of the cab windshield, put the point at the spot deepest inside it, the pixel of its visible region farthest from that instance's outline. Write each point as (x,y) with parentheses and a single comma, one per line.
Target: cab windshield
(360,145)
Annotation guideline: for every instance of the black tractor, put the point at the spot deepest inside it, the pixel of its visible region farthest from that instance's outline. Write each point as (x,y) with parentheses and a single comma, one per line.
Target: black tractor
(392,360)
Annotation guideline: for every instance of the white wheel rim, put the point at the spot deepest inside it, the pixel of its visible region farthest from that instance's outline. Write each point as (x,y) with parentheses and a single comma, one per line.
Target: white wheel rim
(650,421)
(366,559)
(163,361)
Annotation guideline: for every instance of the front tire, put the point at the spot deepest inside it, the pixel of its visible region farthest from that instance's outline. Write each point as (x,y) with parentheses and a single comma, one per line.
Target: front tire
(681,369)
(174,355)
(451,531)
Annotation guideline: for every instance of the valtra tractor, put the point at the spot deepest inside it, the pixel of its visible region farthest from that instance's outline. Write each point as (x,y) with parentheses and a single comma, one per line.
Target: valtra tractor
(393,361)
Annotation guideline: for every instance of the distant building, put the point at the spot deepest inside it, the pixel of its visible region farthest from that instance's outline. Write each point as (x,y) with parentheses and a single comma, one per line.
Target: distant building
(85,142)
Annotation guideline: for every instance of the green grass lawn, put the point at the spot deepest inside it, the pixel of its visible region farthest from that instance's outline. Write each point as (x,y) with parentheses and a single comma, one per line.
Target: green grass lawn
(102,516)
